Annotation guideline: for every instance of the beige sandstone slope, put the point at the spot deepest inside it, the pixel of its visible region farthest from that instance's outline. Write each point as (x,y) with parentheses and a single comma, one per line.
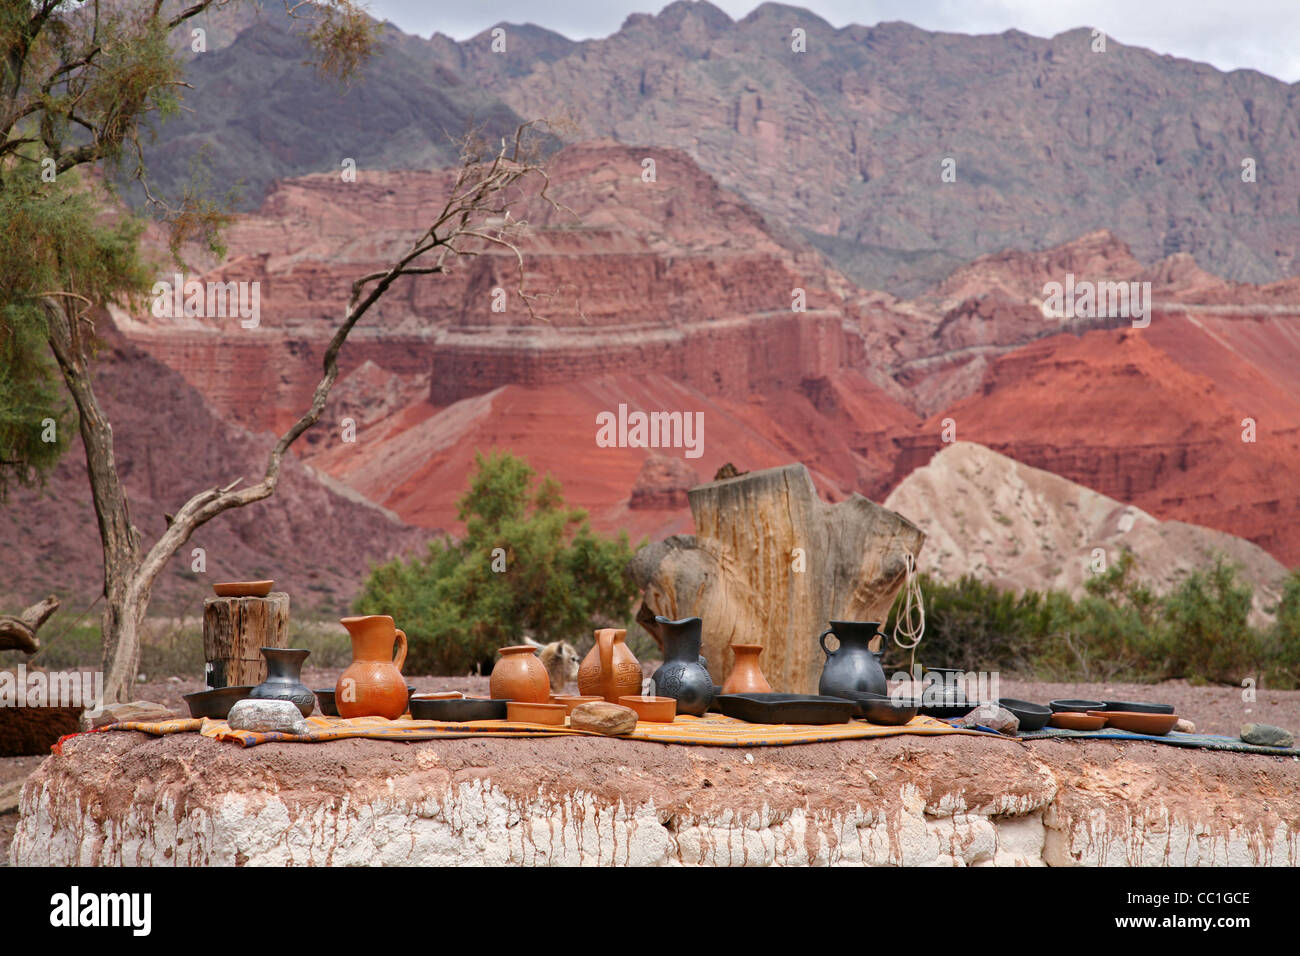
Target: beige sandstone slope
(990,516)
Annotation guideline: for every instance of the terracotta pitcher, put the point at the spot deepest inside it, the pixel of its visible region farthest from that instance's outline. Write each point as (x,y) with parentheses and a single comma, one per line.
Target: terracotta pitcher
(745,677)
(372,685)
(610,669)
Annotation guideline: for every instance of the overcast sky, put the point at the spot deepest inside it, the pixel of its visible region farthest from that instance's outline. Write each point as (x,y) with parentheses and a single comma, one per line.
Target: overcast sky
(1258,34)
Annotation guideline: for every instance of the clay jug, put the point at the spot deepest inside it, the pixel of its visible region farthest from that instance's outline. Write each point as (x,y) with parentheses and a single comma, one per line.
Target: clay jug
(745,676)
(610,669)
(855,667)
(372,685)
(683,675)
(284,680)
(520,676)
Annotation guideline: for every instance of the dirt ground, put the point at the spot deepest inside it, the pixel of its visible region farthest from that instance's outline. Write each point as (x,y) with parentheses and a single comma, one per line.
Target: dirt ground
(1215,709)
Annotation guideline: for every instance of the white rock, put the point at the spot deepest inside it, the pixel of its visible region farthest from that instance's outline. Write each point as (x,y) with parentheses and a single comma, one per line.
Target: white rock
(263,716)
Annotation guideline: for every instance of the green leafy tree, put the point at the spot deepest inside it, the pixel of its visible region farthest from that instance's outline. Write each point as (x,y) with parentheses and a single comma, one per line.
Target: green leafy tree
(527,563)
(1205,632)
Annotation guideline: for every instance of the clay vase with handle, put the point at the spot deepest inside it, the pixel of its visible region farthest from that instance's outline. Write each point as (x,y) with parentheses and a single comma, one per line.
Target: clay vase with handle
(745,677)
(683,675)
(520,676)
(372,685)
(610,669)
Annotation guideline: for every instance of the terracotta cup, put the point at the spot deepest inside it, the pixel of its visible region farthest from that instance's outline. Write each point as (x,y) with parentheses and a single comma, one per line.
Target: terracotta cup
(745,677)
(372,685)
(519,675)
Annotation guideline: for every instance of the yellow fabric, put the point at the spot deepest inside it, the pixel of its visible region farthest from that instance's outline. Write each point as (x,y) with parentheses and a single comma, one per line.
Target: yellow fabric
(712,730)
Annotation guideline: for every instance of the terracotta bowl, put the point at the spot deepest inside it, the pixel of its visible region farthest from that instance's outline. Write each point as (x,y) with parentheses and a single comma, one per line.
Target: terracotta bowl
(570,701)
(216,704)
(1155,725)
(243,588)
(1069,720)
(657,710)
(531,713)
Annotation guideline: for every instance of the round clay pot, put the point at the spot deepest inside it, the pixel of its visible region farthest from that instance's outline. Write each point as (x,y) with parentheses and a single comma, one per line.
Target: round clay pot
(745,676)
(519,675)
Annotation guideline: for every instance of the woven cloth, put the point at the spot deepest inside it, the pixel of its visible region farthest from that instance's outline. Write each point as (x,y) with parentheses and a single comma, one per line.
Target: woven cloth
(1203,741)
(712,730)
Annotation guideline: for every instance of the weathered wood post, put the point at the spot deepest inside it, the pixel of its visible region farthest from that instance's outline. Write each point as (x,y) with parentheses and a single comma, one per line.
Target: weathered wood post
(770,563)
(234,631)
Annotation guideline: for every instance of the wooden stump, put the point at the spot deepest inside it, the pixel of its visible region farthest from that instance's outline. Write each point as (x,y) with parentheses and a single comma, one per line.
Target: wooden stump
(741,571)
(234,631)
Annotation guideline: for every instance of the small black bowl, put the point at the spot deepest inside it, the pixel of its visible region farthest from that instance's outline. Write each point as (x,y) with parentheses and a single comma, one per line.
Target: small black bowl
(216,704)
(1139,707)
(458,709)
(325,701)
(883,709)
(1072,706)
(1031,716)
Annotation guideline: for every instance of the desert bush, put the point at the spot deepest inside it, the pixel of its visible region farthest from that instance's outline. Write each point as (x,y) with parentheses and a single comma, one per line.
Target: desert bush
(526,564)
(1204,633)
(1282,643)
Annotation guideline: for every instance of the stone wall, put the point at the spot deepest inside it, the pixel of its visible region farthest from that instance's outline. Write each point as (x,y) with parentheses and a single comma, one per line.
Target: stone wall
(123,798)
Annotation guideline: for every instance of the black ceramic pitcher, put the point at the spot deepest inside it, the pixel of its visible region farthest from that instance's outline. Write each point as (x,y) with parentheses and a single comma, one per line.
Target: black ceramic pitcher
(283,679)
(855,667)
(683,675)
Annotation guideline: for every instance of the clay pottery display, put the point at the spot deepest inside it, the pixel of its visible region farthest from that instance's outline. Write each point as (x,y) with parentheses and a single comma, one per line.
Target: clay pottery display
(656,710)
(745,677)
(683,675)
(534,713)
(1070,720)
(1031,716)
(284,679)
(215,704)
(325,701)
(570,701)
(457,709)
(1153,725)
(1074,706)
(372,685)
(520,675)
(243,588)
(610,670)
(855,667)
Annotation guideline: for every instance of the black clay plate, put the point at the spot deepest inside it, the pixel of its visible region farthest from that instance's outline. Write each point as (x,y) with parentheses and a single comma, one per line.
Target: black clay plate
(883,709)
(458,709)
(787,708)
(1139,707)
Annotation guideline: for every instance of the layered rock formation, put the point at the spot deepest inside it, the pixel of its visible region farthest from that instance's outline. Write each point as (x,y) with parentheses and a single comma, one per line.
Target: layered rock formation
(1002,521)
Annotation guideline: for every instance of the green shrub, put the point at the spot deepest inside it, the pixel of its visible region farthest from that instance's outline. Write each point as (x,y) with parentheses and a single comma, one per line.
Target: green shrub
(1204,633)
(527,564)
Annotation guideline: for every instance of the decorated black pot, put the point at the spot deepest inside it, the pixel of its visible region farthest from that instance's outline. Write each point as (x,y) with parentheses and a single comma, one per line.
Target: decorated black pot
(683,674)
(283,679)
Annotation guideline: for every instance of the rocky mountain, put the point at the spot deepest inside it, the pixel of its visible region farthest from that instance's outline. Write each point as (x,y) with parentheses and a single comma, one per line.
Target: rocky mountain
(1002,521)
(846,141)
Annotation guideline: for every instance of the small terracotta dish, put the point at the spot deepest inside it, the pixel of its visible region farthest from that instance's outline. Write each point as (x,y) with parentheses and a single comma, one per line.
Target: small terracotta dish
(215,704)
(325,701)
(1154,725)
(1071,720)
(532,713)
(570,701)
(657,710)
(243,588)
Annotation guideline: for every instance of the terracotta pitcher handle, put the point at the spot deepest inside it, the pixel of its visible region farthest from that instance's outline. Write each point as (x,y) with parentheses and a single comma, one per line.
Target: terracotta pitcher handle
(605,640)
(401,650)
(822,641)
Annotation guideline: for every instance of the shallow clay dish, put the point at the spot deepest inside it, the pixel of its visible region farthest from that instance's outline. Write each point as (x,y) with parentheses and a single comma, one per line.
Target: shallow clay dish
(1072,720)
(1075,706)
(1155,725)
(657,710)
(457,709)
(215,704)
(532,713)
(884,709)
(1138,707)
(1031,716)
(243,588)
(570,701)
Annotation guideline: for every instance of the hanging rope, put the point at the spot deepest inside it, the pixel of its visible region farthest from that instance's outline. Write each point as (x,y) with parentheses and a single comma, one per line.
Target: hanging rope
(909,625)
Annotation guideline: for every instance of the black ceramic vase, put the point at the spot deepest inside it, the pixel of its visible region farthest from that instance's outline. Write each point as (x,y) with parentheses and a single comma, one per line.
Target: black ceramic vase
(284,680)
(683,675)
(855,667)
